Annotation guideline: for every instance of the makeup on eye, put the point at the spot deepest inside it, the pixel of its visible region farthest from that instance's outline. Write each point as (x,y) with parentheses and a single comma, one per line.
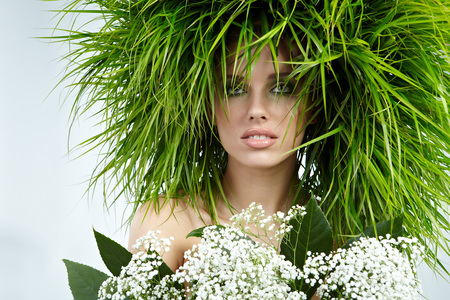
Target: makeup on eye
(282,86)
(235,88)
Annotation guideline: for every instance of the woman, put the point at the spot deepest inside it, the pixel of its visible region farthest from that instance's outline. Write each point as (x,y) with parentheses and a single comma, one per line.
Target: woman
(258,122)
(357,89)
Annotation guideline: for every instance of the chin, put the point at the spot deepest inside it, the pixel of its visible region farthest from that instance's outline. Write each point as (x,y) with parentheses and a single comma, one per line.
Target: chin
(264,161)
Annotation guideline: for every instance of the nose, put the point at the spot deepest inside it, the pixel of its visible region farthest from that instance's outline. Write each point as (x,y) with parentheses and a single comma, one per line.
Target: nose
(258,107)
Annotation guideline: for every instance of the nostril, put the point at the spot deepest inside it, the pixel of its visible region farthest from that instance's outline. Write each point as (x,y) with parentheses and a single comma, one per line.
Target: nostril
(258,116)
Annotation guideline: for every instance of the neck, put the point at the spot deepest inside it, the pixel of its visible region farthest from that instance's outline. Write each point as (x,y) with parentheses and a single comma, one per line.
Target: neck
(270,187)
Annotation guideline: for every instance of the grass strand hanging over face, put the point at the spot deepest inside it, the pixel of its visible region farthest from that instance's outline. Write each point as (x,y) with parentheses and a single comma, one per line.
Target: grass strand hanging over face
(378,73)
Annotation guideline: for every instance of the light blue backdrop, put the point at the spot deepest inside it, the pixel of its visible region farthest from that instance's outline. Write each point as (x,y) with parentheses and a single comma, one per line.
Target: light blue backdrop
(44,214)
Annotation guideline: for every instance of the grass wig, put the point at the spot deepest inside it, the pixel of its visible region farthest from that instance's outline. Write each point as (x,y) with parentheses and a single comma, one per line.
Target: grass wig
(378,72)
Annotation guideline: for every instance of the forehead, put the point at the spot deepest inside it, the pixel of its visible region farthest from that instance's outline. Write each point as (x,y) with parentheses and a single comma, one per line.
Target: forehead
(241,56)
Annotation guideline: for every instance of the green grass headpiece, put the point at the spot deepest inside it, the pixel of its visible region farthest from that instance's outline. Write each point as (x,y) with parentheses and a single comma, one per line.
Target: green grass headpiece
(378,72)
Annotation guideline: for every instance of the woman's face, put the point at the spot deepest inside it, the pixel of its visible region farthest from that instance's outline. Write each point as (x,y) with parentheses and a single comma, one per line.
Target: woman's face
(257,121)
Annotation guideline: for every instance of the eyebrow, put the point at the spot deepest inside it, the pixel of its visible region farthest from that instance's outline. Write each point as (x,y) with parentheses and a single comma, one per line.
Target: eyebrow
(271,76)
(282,74)
(233,76)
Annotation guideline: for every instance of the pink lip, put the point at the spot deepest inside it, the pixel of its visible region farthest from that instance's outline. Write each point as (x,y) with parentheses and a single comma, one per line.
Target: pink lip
(259,143)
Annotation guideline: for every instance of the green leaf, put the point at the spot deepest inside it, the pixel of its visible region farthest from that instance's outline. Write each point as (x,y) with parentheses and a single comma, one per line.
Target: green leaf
(313,234)
(113,254)
(164,270)
(84,281)
(393,227)
(196,232)
(199,231)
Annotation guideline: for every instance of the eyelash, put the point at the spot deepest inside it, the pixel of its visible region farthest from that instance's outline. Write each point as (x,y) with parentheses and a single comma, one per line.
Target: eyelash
(285,88)
(231,90)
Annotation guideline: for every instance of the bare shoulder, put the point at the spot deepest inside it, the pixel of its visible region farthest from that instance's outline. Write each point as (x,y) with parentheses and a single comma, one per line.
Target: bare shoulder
(173,221)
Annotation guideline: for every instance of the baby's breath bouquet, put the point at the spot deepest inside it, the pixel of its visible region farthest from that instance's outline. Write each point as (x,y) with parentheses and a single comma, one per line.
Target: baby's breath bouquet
(257,257)
(372,268)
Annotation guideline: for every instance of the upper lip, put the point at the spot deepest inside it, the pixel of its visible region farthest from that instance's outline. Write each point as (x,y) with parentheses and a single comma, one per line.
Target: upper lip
(258,131)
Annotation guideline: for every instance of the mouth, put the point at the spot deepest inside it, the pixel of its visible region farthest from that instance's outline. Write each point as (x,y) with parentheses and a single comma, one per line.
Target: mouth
(259,138)
(259,134)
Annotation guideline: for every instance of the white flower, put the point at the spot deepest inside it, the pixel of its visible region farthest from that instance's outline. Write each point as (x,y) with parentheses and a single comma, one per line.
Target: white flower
(139,279)
(236,267)
(227,264)
(371,269)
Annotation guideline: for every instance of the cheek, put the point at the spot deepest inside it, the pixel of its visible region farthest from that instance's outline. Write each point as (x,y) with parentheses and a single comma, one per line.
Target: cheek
(294,122)
(221,120)
(229,113)
(217,111)
(288,115)
(220,116)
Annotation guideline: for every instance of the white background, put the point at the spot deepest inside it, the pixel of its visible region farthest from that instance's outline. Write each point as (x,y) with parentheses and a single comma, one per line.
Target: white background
(45,215)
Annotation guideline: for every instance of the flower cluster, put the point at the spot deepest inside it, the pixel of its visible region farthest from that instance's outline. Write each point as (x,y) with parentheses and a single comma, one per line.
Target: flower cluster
(229,265)
(140,278)
(370,269)
(264,226)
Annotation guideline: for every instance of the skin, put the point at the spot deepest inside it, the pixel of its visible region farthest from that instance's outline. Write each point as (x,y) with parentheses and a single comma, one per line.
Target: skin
(263,175)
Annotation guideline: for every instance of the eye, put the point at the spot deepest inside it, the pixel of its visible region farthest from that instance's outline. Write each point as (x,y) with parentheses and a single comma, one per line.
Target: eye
(235,90)
(283,88)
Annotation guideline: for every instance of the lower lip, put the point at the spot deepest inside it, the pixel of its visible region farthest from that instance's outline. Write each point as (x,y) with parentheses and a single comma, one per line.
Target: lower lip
(253,143)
